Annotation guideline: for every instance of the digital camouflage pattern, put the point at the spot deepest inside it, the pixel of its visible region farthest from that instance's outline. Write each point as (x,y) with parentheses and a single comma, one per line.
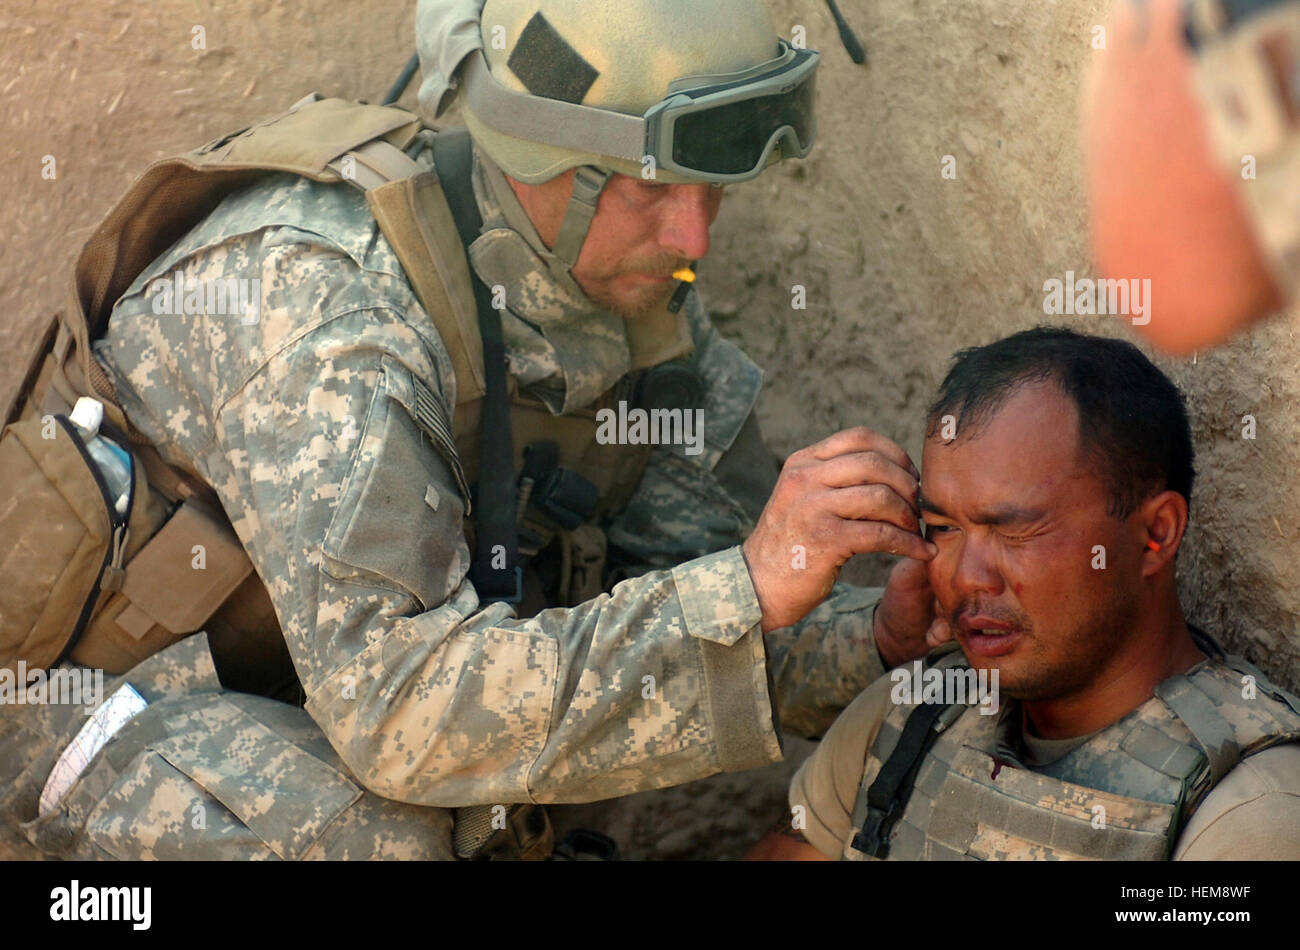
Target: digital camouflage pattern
(1244,77)
(204,773)
(982,794)
(301,416)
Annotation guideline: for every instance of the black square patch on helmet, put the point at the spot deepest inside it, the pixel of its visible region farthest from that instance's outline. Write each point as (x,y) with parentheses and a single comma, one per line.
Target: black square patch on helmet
(548,66)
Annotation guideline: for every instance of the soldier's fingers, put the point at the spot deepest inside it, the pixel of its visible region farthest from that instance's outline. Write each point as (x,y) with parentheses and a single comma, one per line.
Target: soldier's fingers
(862,468)
(864,537)
(909,577)
(938,634)
(862,439)
(873,503)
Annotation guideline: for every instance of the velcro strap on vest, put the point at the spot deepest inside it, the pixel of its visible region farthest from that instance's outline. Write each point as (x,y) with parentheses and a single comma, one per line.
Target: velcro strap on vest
(1163,753)
(374,165)
(1210,730)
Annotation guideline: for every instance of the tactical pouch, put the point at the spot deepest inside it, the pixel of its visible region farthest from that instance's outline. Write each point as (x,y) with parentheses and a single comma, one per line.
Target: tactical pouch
(64,543)
(170,589)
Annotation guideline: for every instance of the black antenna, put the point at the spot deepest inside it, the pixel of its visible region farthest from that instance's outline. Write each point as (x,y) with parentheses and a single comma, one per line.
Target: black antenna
(850,39)
(403,80)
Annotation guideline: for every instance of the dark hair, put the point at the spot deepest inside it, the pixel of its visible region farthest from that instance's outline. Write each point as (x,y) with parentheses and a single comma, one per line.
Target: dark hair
(1132,418)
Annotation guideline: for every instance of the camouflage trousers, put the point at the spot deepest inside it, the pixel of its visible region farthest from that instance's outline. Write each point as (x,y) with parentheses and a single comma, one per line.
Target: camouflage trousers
(201,774)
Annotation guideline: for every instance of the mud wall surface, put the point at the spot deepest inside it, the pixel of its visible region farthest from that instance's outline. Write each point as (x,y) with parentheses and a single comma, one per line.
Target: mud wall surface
(900,265)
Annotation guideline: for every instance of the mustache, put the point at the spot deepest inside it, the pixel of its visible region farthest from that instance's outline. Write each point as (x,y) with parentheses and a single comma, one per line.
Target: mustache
(974,608)
(665,264)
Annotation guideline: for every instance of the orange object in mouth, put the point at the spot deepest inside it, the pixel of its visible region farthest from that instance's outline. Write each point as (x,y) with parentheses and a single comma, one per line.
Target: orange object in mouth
(685,274)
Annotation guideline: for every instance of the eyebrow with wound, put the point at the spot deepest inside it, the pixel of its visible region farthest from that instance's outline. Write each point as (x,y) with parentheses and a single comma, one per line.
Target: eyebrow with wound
(996,515)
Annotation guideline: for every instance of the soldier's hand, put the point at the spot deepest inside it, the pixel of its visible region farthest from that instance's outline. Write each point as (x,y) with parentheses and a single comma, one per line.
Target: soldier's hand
(852,493)
(908,621)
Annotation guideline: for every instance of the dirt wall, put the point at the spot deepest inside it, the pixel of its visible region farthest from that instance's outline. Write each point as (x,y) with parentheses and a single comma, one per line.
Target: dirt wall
(900,265)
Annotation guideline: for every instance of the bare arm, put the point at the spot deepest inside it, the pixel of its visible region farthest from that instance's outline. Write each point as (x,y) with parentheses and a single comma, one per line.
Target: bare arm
(784,842)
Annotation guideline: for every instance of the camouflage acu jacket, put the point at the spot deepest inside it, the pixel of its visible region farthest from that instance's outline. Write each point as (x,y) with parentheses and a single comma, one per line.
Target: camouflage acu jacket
(301,419)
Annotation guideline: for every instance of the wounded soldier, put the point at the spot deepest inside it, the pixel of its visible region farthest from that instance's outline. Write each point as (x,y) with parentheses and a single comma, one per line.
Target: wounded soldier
(1056,479)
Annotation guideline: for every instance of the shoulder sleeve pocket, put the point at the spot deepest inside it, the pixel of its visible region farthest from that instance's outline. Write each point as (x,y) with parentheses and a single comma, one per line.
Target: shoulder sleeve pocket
(400,521)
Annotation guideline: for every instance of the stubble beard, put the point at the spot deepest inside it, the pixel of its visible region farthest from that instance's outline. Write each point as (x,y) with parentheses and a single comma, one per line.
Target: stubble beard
(638,301)
(1084,652)
(632,309)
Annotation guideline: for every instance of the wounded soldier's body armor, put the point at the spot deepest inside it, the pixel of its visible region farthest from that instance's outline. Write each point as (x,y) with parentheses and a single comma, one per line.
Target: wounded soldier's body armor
(1123,794)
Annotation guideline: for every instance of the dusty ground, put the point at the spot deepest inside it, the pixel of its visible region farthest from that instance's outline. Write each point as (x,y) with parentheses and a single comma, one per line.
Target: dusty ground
(901,266)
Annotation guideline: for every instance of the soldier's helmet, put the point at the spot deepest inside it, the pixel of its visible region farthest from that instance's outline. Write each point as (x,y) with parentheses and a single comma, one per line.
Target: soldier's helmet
(684,91)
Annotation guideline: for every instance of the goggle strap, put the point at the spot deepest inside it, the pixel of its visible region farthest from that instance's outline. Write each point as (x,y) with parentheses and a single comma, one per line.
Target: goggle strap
(562,124)
(588,183)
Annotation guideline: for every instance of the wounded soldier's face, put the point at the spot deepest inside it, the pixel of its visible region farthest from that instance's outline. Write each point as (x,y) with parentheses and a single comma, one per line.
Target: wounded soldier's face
(1038,579)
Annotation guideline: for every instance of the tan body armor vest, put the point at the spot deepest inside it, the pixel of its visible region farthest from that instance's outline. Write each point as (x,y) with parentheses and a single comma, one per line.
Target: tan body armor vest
(109,592)
(1124,794)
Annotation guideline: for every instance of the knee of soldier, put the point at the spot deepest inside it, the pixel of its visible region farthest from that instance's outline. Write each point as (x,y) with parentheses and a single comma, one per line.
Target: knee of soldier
(380,829)
(229,776)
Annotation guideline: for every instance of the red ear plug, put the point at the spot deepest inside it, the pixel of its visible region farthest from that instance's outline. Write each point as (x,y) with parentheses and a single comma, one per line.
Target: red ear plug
(1154,546)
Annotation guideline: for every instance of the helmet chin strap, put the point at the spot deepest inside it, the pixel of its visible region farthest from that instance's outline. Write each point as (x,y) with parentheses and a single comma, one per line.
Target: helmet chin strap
(588,183)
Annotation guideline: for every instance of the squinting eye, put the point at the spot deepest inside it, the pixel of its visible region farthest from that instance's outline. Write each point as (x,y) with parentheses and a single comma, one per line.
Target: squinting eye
(933,529)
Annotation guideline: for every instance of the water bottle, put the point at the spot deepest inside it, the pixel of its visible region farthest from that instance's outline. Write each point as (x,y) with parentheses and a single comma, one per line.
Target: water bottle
(113,462)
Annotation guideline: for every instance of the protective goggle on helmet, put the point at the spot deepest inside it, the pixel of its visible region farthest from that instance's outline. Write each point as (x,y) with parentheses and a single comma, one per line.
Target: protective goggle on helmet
(719,129)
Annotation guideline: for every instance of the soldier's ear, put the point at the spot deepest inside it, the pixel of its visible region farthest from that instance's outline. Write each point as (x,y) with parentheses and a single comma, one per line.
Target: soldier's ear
(545,203)
(1162,521)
